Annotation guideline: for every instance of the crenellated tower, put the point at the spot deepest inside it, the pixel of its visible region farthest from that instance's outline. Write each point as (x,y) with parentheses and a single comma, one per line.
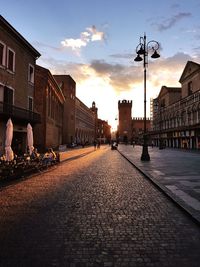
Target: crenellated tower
(125,120)
(95,110)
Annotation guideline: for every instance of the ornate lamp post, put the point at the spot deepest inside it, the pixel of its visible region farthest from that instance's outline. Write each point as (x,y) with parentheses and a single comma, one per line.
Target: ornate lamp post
(143,49)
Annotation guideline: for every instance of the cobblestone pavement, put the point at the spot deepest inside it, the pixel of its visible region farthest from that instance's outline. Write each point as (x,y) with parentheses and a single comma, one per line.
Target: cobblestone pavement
(96,210)
(176,171)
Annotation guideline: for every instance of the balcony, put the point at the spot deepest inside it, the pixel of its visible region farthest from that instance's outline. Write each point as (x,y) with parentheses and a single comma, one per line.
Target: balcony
(7,111)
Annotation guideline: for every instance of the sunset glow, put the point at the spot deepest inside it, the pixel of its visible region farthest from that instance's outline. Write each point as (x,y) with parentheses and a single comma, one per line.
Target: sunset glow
(96,46)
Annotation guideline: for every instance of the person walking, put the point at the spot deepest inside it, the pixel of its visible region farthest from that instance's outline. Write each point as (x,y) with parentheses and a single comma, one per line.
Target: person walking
(95,144)
(98,144)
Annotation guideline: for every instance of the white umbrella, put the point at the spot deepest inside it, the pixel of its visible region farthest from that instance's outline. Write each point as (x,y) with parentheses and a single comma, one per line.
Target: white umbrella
(30,138)
(8,142)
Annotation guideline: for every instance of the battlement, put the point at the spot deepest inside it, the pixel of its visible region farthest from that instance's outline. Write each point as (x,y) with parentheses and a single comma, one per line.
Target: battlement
(140,119)
(125,103)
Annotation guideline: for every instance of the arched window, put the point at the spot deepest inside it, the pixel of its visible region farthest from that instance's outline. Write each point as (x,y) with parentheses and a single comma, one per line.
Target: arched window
(194,114)
(190,88)
(189,116)
(183,118)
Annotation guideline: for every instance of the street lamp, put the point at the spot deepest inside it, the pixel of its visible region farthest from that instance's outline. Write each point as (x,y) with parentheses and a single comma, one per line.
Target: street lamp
(142,50)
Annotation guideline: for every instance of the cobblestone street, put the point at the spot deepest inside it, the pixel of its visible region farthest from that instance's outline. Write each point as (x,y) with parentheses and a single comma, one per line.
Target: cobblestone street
(95,210)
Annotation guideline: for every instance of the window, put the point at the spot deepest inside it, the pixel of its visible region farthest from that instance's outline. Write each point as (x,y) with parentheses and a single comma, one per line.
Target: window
(8,95)
(8,100)
(189,88)
(183,118)
(162,103)
(2,54)
(30,103)
(31,73)
(194,116)
(61,85)
(11,60)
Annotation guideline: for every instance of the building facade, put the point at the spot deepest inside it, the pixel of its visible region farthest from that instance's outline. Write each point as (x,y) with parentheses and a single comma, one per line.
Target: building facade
(31,94)
(49,102)
(68,87)
(138,129)
(176,123)
(85,124)
(103,132)
(17,85)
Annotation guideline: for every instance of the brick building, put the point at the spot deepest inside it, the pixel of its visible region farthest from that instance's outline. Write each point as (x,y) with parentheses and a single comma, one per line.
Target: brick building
(85,123)
(130,129)
(138,129)
(68,86)
(103,131)
(31,94)
(17,82)
(49,102)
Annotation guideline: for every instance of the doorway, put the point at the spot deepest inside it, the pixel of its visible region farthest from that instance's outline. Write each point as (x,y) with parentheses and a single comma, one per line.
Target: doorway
(19,143)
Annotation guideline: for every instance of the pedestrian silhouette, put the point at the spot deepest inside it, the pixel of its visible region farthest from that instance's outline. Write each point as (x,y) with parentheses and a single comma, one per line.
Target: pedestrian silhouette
(95,144)
(98,144)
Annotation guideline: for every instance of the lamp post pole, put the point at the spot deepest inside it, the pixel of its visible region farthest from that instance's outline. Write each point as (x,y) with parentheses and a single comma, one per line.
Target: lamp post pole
(145,154)
(142,49)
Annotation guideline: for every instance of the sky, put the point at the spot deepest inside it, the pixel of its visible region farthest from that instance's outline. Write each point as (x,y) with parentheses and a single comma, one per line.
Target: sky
(95,41)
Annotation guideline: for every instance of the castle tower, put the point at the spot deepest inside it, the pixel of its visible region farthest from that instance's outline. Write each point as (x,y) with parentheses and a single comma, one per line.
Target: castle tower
(125,121)
(95,110)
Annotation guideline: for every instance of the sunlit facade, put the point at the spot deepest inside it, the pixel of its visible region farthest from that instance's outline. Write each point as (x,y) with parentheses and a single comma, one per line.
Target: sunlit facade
(49,102)
(85,124)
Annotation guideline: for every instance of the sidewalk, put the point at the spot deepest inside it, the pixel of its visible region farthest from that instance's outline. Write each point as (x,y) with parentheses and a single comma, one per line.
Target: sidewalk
(177,172)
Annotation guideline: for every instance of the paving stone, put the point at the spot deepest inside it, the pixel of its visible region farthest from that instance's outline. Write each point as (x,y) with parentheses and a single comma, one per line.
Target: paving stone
(96,210)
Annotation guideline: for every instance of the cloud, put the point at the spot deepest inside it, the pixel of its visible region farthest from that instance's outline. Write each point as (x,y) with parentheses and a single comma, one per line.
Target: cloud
(102,67)
(167,71)
(123,56)
(178,59)
(121,77)
(74,44)
(124,77)
(106,83)
(196,51)
(175,6)
(170,22)
(96,35)
(91,34)
(43,45)
(77,71)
